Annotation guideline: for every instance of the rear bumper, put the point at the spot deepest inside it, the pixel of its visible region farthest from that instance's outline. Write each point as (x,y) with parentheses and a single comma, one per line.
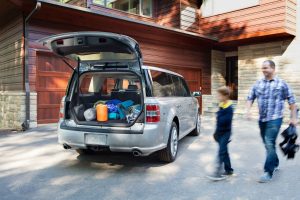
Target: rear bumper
(143,138)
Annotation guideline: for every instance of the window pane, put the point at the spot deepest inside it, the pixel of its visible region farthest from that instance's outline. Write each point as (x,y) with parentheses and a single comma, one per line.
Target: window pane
(147,7)
(162,84)
(177,86)
(131,6)
(214,7)
(99,2)
(185,88)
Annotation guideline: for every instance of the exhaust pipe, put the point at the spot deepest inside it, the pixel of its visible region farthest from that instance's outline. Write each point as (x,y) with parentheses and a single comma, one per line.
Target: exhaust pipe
(66,146)
(136,152)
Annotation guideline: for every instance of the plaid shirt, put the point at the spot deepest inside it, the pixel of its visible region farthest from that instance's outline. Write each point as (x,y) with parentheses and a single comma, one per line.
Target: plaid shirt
(271,95)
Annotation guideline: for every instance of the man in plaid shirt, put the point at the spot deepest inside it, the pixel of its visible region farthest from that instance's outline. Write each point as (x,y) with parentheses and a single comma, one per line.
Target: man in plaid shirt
(271,93)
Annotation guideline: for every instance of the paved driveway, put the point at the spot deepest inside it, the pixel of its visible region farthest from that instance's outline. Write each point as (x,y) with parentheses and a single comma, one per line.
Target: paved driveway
(33,166)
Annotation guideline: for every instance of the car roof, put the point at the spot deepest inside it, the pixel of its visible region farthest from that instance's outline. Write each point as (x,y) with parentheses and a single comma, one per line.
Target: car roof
(161,70)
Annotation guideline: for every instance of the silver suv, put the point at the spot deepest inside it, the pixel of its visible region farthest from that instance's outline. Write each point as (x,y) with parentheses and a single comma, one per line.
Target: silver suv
(114,102)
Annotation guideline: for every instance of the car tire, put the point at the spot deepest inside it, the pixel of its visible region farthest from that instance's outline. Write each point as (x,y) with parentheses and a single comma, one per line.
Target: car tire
(84,151)
(170,152)
(197,130)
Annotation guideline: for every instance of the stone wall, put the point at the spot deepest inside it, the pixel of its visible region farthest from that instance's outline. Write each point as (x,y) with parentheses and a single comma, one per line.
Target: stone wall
(12,110)
(251,58)
(218,72)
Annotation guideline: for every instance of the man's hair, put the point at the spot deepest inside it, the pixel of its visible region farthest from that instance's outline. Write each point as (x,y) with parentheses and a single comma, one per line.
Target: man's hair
(271,63)
(224,91)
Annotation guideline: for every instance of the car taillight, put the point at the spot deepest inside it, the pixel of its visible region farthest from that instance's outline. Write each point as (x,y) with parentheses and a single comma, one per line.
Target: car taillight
(152,113)
(61,110)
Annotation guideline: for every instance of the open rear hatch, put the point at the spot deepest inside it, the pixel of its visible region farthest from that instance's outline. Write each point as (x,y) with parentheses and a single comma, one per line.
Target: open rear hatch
(110,87)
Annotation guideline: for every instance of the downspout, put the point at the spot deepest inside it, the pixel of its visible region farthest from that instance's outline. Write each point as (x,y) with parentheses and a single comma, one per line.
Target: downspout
(26,67)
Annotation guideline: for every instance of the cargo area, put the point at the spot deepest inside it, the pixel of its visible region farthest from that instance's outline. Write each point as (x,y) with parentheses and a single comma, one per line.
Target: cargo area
(107,99)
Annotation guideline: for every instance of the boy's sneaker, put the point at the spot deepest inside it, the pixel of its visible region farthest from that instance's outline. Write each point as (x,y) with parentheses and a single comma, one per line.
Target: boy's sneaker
(265,178)
(216,177)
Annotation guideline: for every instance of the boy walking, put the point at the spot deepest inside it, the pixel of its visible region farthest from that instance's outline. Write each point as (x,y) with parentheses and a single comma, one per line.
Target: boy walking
(222,134)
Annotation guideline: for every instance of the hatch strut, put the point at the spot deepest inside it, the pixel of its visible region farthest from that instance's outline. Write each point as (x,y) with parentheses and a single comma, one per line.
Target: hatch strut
(69,65)
(78,71)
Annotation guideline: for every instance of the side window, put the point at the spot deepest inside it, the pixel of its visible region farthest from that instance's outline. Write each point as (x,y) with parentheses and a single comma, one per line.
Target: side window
(180,86)
(177,86)
(185,88)
(162,84)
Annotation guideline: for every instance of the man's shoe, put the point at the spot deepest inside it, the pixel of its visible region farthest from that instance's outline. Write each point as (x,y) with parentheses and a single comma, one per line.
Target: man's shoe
(228,173)
(216,177)
(265,178)
(276,169)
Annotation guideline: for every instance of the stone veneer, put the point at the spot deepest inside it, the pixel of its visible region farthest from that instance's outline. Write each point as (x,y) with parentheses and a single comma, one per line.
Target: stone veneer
(12,109)
(251,57)
(218,72)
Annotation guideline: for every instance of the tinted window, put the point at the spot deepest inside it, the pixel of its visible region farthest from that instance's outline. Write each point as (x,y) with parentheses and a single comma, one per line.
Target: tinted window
(180,87)
(185,88)
(162,85)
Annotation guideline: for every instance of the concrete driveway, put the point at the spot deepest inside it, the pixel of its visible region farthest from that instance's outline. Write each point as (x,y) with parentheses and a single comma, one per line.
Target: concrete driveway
(33,166)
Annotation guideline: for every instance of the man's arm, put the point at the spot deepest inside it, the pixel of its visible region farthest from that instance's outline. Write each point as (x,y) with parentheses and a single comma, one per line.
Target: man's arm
(293,109)
(292,102)
(250,99)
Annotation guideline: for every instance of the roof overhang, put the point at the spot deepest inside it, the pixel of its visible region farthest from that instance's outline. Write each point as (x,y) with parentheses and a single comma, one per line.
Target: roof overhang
(27,6)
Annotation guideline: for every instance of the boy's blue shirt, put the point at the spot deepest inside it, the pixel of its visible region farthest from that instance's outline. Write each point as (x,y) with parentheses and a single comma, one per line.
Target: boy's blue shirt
(224,117)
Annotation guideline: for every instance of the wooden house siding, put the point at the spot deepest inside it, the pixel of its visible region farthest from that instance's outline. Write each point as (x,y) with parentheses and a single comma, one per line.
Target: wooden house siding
(184,54)
(268,18)
(11,55)
(189,15)
(160,49)
(168,13)
(291,15)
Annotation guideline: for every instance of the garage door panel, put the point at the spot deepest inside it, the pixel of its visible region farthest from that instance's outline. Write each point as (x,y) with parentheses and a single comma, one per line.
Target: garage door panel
(48,98)
(51,81)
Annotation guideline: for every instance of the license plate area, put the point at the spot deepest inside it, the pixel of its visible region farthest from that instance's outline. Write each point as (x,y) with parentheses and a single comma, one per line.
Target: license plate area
(95,139)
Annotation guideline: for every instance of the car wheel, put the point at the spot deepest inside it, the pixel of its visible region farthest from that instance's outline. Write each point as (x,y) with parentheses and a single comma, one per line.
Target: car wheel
(84,151)
(170,152)
(197,130)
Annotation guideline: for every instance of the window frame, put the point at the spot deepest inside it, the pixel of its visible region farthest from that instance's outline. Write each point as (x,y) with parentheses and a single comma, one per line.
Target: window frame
(140,8)
(169,76)
(213,13)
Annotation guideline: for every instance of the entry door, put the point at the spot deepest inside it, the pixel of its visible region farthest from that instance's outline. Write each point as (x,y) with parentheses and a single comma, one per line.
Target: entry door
(232,76)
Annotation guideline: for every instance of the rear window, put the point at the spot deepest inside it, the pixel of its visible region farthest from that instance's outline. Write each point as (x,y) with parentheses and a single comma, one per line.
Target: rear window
(102,56)
(106,83)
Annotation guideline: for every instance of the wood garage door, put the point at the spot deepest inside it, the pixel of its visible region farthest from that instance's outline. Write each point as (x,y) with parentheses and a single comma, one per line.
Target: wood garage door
(52,77)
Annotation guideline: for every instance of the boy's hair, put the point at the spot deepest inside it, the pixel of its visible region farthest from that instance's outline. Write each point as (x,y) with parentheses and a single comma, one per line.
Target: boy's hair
(224,91)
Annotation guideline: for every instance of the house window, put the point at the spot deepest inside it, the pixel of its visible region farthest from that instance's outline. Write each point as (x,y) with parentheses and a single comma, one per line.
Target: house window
(215,7)
(139,7)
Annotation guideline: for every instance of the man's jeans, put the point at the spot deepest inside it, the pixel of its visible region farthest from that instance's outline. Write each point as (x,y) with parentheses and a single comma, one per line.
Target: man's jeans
(223,155)
(269,131)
